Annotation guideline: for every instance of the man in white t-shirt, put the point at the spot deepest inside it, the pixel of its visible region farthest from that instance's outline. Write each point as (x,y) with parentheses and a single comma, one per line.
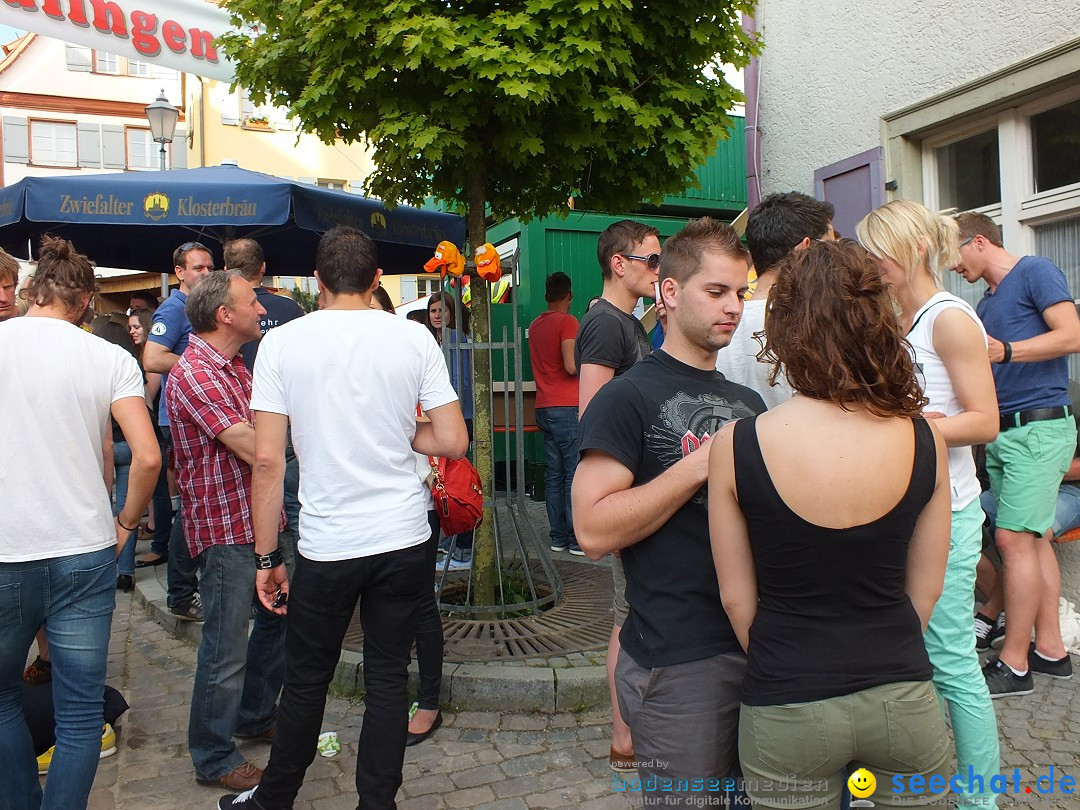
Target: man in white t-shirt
(778,225)
(58,536)
(348,378)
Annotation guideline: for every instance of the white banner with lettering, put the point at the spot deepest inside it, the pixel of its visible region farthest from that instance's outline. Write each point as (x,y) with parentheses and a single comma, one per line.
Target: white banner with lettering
(178,34)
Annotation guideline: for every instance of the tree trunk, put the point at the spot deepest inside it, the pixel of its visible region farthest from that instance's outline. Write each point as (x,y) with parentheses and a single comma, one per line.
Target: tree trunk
(483,560)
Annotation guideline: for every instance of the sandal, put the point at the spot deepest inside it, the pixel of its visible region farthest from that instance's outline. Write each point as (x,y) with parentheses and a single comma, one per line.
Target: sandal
(38,673)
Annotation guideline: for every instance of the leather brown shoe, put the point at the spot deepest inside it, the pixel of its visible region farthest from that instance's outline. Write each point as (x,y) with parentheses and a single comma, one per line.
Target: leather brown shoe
(243,777)
(622,762)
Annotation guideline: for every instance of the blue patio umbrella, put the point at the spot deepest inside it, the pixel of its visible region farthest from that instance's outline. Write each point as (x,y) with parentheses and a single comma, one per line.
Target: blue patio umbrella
(136,219)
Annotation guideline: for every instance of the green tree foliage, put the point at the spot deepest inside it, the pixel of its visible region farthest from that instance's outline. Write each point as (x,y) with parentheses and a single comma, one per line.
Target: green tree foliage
(512,107)
(611,101)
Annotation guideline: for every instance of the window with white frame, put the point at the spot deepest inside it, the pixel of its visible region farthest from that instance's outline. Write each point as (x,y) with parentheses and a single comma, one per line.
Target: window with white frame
(337,185)
(106,63)
(427,285)
(1021,167)
(143,154)
(53,143)
(142,69)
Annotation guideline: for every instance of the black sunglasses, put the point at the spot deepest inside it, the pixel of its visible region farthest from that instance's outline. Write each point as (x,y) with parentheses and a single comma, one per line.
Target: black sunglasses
(652,261)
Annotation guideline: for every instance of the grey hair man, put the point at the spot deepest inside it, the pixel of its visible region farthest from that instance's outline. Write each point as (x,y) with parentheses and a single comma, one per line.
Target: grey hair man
(236,678)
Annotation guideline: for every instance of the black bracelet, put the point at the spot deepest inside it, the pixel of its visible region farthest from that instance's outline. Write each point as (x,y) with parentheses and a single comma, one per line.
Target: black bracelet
(1007,348)
(271,560)
(126,528)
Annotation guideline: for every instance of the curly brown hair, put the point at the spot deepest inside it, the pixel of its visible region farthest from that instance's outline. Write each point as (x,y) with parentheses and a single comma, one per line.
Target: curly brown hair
(831,330)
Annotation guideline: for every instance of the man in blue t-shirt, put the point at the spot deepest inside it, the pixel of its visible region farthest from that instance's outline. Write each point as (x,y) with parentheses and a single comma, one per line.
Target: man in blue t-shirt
(1032,325)
(168,338)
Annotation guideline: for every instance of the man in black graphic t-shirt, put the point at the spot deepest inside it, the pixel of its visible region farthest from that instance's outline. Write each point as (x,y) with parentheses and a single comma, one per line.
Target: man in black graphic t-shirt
(640,489)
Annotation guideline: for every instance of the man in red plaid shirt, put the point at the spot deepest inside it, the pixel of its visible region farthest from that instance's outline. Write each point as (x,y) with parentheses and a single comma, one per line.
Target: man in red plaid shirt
(237,679)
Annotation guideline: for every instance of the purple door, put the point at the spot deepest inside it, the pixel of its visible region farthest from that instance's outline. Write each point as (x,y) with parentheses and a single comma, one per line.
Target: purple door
(853,186)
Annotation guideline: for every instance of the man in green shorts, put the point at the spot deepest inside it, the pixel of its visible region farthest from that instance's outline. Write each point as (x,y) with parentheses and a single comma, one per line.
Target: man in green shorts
(1031,320)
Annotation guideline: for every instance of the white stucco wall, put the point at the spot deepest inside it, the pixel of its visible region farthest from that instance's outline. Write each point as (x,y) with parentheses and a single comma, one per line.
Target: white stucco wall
(831,69)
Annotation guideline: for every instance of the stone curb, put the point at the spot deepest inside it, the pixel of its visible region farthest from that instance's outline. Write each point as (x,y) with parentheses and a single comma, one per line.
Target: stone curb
(465,687)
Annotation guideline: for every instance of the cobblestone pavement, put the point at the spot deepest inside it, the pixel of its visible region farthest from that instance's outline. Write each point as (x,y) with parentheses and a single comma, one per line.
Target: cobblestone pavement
(478,759)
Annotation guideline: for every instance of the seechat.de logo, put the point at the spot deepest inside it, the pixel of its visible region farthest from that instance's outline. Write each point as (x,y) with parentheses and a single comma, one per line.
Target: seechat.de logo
(862,785)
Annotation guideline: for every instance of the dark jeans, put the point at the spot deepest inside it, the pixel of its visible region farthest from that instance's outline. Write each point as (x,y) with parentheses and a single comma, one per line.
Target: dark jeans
(429,635)
(182,571)
(559,426)
(391,588)
(161,502)
(291,492)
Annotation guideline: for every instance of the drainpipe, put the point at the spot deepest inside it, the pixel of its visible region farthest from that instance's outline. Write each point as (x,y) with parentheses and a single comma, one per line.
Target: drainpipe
(753,141)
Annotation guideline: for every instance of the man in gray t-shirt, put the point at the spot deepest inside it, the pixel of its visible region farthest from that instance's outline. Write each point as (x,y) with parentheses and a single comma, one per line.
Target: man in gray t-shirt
(611,340)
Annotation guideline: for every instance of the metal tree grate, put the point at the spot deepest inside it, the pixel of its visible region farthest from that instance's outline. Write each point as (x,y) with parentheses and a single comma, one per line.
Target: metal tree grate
(581,621)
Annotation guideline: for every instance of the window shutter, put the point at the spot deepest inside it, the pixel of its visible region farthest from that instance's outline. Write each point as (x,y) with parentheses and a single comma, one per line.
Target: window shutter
(90,145)
(246,105)
(408,288)
(306,180)
(178,149)
(79,58)
(16,140)
(114,156)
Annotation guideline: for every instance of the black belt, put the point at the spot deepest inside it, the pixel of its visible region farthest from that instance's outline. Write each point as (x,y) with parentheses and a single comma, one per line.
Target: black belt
(1021,418)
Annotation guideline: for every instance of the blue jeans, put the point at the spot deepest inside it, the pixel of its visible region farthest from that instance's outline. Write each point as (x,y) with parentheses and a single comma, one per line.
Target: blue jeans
(560,427)
(237,679)
(125,562)
(73,597)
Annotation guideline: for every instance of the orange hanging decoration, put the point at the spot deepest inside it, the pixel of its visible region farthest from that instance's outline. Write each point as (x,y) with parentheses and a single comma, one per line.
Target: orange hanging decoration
(447,260)
(487,263)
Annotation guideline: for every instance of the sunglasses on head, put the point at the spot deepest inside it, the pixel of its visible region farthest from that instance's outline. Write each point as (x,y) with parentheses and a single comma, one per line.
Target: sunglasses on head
(652,261)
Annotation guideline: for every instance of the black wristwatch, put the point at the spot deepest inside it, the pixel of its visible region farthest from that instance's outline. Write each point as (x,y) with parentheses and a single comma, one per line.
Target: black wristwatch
(271,560)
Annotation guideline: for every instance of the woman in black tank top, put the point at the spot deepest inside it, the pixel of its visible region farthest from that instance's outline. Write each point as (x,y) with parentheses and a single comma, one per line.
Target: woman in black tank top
(830,520)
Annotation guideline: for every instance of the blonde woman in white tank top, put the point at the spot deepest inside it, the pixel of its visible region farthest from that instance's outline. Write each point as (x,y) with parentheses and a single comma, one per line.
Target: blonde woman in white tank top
(912,246)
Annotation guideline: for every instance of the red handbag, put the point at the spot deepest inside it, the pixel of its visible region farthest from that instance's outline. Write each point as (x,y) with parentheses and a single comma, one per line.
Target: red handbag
(459,500)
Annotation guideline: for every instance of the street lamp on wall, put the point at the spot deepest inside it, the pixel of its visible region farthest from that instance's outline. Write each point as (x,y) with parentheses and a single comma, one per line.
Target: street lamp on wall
(162,117)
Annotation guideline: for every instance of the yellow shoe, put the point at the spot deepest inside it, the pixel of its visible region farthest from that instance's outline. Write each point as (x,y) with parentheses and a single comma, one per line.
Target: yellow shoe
(108,748)
(108,741)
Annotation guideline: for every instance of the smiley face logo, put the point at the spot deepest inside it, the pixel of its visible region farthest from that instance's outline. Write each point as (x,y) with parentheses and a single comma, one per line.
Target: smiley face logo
(862,783)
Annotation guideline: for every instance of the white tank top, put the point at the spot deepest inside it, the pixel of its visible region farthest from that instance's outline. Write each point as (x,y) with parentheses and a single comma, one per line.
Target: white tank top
(936,385)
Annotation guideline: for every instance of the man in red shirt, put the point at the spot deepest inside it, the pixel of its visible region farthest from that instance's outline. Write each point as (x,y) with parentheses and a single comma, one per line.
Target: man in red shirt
(237,680)
(551,347)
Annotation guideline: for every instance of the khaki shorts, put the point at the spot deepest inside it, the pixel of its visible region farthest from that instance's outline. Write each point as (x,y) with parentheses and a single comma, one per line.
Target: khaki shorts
(797,755)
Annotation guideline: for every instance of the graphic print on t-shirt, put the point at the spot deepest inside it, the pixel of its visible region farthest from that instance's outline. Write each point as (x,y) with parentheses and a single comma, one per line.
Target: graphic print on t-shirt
(688,420)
